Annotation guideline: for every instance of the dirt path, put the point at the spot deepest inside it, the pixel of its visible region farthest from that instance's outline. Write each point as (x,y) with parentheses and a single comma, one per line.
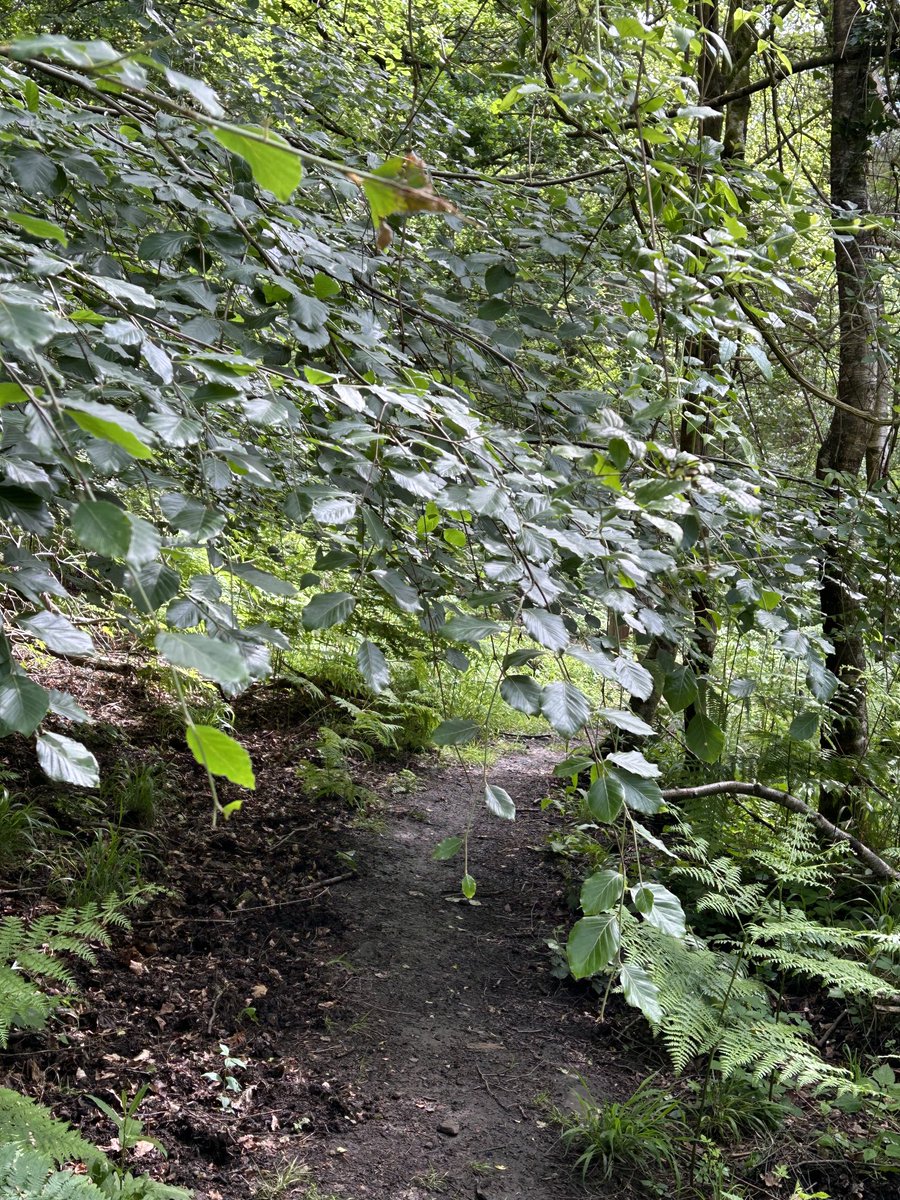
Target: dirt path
(452,1031)
(400,1041)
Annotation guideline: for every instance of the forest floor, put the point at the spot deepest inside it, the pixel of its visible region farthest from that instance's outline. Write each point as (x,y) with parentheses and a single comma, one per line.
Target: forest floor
(395,1040)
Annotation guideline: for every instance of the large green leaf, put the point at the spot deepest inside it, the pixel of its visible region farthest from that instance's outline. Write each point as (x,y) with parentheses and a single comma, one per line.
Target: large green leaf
(546,628)
(523,693)
(456,731)
(640,991)
(601,891)
(469,629)
(102,527)
(623,719)
(565,707)
(57,633)
(23,703)
(67,761)
(220,754)
(605,797)
(804,726)
(266,582)
(704,738)
(680,688)
(274,164)
(660,907)
(373,666)
(25,325)
(327,609)
(152,585)
(208,656)
(634,679)
(112,425)
(446,849)
(640,794)
(593,944)
(37,227)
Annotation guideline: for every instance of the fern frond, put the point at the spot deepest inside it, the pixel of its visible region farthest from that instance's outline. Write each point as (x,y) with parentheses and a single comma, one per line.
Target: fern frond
(28,1125)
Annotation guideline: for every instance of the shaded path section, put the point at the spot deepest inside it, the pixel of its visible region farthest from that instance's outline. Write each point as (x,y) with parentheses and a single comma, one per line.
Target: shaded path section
(446,1028)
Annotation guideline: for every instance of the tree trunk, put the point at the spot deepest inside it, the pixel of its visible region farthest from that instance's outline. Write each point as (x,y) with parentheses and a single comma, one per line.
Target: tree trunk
(851,441)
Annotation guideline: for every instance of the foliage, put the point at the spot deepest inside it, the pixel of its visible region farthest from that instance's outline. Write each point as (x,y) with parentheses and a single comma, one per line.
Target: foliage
(33,1143)
(645,1130)
(34,976)
(559,418)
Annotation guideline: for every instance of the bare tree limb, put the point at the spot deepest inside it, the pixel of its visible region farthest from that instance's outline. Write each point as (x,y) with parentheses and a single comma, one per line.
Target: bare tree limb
(735,787)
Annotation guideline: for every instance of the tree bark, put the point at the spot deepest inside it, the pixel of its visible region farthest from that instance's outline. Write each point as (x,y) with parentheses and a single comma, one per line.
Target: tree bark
(851,443)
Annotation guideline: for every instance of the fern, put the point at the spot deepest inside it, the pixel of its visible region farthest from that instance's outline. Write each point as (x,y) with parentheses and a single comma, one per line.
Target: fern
(29,1126)
(30,1175)
(33,1143)
(714,996)
(34,978)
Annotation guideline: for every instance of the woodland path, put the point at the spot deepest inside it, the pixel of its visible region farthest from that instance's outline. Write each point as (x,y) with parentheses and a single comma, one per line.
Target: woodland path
(448,1013)
(369,1006)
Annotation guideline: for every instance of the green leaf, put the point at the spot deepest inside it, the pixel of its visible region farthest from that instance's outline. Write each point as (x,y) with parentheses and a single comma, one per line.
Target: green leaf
(629,721)
(220,754)
(633,678)
(448,848)
(546,628)
(37,227)
(152,585)
(660,907)
(34,172)
(201,92)
(640,991)
(804,726)
(565,707)
(275,168)
(456,731)
(208,656)
(373,667)
(499,802)
(266,582)
(102,527)
(523,693)
(11,393)
(26,326)
(468,886)
(704,738)
(499,278)
(633,762)
(23,704)
(327,609)
(592,945)
(641,795)
(162,246)
(601,891)
(405,597)
(62,704)
(67,761)
(469,629)
(57,633)
(605,797)
(108,423)
(680,688)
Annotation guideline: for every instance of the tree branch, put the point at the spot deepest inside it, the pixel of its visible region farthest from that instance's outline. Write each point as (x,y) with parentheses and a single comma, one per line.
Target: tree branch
(797,375)
(735,787)
(781,72)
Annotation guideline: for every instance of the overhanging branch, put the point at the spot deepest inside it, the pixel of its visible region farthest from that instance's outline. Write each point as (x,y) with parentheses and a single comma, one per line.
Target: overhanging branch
(735,787)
